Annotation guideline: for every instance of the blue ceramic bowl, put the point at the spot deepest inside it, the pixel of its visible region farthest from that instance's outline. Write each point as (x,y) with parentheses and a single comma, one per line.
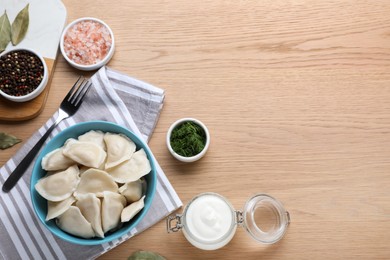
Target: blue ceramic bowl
(40,204)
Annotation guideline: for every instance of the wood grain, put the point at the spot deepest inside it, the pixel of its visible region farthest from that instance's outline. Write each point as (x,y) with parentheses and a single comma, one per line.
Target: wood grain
(296,97)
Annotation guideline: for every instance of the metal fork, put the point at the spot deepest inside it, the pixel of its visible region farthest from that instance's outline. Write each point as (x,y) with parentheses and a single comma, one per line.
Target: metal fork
(68,107)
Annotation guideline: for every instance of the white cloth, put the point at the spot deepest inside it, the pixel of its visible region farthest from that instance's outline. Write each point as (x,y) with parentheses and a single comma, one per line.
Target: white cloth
(116,98)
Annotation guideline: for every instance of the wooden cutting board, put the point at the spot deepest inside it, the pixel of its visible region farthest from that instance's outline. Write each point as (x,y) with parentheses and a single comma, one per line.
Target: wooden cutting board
(47,20)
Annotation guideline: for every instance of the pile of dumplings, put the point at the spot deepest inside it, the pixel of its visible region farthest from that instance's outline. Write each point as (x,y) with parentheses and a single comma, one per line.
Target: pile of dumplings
(94,183)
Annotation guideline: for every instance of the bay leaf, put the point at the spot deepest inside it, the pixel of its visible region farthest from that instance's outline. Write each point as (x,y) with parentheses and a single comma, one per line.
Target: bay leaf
(20,26)
(5,31)
(7,140)
(145,255)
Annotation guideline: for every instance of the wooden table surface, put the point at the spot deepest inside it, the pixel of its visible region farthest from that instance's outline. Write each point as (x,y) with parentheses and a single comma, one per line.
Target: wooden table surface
(296,95)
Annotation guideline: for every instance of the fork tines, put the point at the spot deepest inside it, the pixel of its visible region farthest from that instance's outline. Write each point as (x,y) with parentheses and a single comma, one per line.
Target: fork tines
(78,91)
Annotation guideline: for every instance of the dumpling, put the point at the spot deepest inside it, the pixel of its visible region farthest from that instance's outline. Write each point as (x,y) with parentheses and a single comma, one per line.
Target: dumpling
(95,181)
(93,136)
(119,149)
(73,222)
(133,169)
(83,169)
(130,211)
(90,206)
(56,160)
(132,190)
(84,153)
(54,209)
(112,206)
(59,186)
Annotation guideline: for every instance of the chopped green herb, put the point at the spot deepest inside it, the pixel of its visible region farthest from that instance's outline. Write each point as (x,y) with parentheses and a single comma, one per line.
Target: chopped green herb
(188,139)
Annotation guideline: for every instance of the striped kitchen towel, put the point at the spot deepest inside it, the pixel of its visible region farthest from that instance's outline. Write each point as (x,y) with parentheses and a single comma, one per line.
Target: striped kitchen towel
(114,97)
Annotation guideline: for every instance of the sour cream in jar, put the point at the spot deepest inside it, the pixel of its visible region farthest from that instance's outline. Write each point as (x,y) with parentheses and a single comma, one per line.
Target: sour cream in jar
(209,221)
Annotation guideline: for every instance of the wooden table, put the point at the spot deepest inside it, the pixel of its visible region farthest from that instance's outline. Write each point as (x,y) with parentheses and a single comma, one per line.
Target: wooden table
(296,95)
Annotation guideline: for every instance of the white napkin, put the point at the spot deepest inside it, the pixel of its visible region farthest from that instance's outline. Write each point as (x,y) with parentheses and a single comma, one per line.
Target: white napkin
(114,97)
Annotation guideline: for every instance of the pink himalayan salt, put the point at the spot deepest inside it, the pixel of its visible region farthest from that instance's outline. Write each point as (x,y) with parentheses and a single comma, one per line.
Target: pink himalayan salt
(87,42)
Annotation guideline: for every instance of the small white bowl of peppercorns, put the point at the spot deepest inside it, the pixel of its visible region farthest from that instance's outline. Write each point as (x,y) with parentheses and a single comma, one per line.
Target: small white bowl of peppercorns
(23,74)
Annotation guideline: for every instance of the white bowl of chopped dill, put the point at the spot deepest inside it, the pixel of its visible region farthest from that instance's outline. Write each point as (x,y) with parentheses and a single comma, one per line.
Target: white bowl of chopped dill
(188,139)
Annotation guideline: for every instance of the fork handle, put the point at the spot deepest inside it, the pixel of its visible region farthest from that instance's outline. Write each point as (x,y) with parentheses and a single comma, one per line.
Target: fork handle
(25,163)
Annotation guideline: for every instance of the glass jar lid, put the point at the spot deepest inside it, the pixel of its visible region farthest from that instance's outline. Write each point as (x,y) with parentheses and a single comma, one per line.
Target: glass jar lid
(265,218)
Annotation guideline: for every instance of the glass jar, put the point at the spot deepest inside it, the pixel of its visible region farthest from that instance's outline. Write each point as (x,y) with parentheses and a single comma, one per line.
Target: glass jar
(209,221)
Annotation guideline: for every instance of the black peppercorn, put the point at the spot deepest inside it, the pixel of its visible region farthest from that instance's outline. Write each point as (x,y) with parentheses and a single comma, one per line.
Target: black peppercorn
(21,72)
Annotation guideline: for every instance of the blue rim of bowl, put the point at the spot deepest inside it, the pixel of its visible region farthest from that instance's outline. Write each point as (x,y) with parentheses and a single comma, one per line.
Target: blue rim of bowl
(75,131)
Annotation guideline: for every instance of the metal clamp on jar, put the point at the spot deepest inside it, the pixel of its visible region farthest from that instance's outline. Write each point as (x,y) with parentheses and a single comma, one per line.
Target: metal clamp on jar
(209,221)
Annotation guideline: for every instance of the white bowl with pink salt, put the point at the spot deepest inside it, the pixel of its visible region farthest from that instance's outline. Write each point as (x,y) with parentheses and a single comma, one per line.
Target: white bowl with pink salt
(87,43)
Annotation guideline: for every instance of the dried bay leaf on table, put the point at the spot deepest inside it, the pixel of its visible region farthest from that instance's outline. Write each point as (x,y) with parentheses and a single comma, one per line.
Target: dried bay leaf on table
(7,140)
(20,25)
(5,31)
(145,255)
